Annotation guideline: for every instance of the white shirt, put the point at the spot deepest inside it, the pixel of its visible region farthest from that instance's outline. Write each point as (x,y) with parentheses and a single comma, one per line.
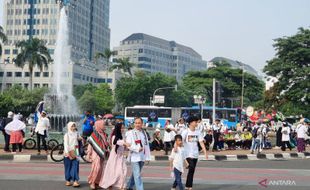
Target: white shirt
(285,137)
(191,139)
(168,137)
(70,142)
(178,158)
(43,124)
(301,131)
(133,138)
(180,127)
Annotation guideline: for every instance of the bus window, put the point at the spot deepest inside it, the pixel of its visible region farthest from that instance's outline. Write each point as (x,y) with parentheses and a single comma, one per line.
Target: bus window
(137,112)
(165,113)
(232,115)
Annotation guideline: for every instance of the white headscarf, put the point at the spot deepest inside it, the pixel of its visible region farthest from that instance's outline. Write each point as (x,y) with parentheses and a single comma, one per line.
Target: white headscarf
(72,134)
(15,125)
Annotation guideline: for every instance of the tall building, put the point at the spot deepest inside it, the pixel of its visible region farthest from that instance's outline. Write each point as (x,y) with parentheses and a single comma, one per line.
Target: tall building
(89,32)
(153,54)
(234,64)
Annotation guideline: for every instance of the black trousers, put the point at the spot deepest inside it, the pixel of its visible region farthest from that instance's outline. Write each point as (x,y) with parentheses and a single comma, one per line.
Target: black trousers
(191,171)
(6,141)
(168,146)
(283,148)
(14,147)
(39,138)
(216,136)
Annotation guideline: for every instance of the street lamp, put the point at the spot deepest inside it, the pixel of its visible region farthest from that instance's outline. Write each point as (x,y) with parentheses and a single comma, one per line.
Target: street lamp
(171,87)
(200,100)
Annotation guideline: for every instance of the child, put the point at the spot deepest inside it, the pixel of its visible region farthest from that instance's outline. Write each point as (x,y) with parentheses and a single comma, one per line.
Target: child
(71,153)
(177,159)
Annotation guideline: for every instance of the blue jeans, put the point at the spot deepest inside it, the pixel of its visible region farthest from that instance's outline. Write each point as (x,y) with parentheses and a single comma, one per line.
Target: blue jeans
(178,179)
(71,169)
(255,144)
(135,178)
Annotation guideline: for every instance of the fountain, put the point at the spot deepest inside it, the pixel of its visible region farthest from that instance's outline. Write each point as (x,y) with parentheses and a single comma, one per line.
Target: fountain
(60,103)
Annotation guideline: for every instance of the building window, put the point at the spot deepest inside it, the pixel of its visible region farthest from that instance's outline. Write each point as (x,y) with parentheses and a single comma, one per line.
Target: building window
(45,74)
(87,78)
(45,85)
(8,85)
(15,51)
(18,74)
(1,74)
(37,74)
(36,85)
(109,80)
(7,51)
(27,74)
(9,74)
(140,50)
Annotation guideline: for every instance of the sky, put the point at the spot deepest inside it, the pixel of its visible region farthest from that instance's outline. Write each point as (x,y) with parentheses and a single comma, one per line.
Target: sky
(241,30)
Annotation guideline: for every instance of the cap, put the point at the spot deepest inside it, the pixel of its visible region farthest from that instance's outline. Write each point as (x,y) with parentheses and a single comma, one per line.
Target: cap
(100,116)
(157,130)
(10,113)
(43,112)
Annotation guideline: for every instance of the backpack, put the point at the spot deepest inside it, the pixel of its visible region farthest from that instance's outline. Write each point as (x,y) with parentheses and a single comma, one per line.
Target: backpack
(2,124)
(254,132)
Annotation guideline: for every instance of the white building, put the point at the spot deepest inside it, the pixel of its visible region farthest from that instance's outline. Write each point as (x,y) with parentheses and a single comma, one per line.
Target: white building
(88,22)
(153,54)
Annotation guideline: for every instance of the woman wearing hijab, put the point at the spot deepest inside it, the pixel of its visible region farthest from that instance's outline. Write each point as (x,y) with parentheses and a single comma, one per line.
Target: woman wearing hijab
(15,129)
(71,153)
(116,169)
(97,153)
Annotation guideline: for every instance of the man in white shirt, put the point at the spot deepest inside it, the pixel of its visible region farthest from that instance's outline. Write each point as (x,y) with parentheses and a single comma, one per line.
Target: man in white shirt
(139,153)
(301,130)
(41,131)
(168,136)
(216,127)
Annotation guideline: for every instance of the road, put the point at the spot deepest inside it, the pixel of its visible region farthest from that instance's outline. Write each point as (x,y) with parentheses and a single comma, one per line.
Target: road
(241,175)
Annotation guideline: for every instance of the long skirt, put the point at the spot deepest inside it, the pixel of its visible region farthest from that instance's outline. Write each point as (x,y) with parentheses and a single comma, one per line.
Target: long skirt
(301,145)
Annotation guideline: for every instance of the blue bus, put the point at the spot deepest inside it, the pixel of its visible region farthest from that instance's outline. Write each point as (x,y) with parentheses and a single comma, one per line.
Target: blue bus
(152,115)
(229,116)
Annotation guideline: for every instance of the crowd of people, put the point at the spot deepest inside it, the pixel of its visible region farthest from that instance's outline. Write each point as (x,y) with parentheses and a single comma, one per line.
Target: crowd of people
(184,141)
(253,136)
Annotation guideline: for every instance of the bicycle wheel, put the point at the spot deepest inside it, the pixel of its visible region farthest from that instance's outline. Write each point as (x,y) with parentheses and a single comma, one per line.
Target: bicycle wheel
(52,143)
(30,144)
(57,153)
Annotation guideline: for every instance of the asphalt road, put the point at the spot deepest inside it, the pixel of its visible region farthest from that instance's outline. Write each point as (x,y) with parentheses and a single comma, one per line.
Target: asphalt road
(240,175)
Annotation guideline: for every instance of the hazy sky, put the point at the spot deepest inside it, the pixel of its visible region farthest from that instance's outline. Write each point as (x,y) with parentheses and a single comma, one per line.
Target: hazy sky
(238,29)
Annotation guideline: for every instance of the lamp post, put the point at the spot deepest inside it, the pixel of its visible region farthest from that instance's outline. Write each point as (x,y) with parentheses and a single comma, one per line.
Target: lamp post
(171,87)
(242,87)
(200,100)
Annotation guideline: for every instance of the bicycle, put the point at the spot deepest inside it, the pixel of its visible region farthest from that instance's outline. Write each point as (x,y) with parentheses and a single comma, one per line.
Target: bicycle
(58,151)
(31,143)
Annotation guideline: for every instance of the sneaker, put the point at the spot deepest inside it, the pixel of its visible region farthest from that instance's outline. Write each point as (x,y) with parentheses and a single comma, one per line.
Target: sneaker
(39,153)
(76,184)
(173,189)
(68,183)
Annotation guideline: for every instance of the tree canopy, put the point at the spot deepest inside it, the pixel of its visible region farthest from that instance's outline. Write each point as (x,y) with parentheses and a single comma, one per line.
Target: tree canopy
(291,66)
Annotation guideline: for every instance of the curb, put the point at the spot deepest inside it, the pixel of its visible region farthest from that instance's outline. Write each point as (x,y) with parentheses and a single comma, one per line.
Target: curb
(239,157)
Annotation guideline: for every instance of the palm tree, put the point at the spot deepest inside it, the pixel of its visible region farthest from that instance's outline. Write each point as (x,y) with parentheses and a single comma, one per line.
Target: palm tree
(107,54)
(123,64)
(34,53)
(3,38)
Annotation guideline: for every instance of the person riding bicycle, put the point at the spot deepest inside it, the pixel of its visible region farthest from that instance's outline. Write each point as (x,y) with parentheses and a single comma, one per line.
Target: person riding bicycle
(88,123)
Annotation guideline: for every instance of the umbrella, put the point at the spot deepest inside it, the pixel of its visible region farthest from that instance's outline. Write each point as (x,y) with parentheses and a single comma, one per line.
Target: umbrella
(108,116)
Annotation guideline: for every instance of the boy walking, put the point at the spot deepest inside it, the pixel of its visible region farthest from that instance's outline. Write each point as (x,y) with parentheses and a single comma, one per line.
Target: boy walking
(177,158)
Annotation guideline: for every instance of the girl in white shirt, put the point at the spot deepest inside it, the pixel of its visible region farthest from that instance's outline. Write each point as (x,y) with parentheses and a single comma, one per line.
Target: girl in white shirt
(285,137)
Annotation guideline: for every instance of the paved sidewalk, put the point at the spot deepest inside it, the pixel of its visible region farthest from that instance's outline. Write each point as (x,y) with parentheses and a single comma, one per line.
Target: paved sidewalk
(229,155)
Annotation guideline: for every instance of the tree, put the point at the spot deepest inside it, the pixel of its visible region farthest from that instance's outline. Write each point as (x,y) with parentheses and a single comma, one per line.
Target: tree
(107,54)
(79,90)
(291,66)
(96,98)
(20,100)
(3,38)
(230,79)
(87,101)
(104,99)
(138,89)
(123,64)
(34,53)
